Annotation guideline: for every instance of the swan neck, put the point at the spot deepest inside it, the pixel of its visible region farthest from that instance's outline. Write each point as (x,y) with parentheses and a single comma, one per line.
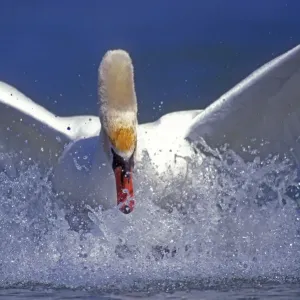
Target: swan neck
(116,88)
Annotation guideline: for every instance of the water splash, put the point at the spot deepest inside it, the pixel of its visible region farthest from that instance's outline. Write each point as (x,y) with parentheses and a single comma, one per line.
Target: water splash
(223,219)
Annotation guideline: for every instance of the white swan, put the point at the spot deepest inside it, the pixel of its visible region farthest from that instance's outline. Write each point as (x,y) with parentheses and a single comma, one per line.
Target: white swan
(93,164)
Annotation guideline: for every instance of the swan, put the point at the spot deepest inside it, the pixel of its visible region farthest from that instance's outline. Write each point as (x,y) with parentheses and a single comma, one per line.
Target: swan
(93,158)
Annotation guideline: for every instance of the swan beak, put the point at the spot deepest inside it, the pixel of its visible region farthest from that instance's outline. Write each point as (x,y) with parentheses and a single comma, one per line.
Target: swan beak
(124,184)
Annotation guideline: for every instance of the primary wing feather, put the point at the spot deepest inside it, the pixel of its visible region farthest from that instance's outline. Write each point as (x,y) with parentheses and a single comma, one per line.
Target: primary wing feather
(34,133)
(263,111)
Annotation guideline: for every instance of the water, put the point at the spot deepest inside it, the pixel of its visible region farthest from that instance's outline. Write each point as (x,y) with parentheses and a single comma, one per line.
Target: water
(236,237)
(186,56)
(240,290)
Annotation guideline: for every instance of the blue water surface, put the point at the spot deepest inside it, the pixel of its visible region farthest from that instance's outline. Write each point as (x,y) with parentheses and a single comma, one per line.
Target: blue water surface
(186,54)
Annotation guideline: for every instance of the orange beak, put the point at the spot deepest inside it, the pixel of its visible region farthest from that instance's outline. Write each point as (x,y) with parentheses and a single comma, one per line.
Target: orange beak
(124,184)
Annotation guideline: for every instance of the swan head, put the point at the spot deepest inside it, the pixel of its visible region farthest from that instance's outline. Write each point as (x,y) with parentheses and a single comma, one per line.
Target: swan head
(118,116)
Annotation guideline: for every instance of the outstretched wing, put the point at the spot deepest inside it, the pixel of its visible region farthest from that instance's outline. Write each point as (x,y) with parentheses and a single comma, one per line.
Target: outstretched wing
(263,112)
(33,132)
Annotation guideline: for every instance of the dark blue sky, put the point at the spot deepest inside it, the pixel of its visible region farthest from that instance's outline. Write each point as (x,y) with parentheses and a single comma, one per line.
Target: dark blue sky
(186,53)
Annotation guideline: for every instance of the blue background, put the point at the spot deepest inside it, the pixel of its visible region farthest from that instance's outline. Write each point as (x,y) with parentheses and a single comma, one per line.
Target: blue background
(186,53)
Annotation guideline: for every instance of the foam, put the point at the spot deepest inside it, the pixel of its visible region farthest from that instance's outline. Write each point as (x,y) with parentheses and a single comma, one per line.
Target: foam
(236,222)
